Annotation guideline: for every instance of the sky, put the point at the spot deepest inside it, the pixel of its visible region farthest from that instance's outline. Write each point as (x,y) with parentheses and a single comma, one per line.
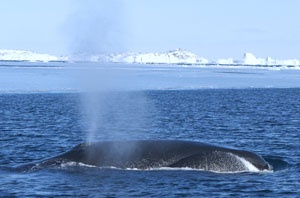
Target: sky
(209,28)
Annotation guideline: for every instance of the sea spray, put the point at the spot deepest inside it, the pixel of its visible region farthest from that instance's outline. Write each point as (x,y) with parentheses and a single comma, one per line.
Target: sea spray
(113,109)
(94,28)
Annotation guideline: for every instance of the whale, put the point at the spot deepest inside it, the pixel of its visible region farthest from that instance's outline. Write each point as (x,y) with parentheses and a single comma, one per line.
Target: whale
(153,154)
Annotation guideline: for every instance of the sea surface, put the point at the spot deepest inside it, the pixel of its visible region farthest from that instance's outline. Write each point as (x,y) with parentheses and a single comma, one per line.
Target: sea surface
(48,108)
(36,126)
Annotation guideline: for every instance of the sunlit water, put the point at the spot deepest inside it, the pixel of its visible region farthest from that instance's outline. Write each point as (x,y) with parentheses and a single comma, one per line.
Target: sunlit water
(36,126)
(65,77)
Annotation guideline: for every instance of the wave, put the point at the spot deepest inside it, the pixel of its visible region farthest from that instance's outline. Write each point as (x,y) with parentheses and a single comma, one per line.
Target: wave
(277,163)
(70,165)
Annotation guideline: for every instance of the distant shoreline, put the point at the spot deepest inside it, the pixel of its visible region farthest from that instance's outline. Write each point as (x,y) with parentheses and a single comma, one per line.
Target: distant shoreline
(173,57)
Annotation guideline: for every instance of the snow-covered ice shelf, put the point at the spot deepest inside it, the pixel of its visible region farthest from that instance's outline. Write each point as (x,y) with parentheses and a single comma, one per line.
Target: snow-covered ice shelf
(21,55)
(184,57)
(177,57)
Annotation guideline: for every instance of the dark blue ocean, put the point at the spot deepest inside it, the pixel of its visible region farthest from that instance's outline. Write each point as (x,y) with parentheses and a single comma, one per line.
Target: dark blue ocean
(36,126)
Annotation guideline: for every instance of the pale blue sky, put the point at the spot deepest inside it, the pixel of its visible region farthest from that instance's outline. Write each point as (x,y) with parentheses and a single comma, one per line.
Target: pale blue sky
(209,28)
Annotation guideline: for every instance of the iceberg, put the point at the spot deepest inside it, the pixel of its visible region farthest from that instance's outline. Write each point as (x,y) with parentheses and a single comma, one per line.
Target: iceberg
(250,59)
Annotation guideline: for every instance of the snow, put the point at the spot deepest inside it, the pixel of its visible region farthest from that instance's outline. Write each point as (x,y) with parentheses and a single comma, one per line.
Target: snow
(250,59)
(178,56)
(21,55)
(173,57)
(177,69)
(184,57)
(228,61)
